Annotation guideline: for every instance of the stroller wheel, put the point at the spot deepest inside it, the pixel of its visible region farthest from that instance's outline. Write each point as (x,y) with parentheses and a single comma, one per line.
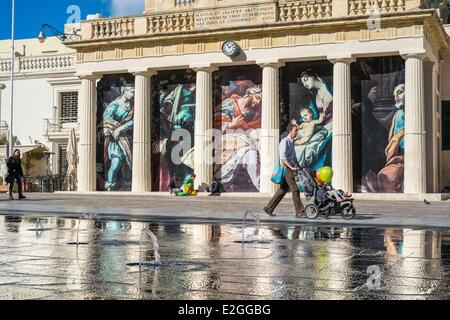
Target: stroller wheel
(312,211)
(348,212)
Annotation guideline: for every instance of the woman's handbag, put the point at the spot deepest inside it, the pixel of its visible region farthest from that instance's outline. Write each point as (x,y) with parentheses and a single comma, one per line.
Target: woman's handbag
(279,172)
(9,178)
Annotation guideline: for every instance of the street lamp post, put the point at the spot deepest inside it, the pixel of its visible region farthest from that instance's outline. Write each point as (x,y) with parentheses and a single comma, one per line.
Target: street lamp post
(60,35)
(11,116)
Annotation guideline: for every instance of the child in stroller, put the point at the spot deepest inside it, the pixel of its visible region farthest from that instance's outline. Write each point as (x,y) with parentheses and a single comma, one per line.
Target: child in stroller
(338,195)
(327,201)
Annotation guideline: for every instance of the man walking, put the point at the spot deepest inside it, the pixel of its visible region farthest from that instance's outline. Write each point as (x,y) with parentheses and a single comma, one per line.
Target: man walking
(289,159)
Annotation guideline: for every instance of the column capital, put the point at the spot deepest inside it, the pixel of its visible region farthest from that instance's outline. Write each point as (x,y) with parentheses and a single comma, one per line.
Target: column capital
(342,58)
(421,55)
(143,72)
(270,63)
(89,76)
(204,67)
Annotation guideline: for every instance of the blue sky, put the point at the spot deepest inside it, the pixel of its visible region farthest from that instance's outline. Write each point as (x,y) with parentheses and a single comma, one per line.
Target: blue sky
(30,15)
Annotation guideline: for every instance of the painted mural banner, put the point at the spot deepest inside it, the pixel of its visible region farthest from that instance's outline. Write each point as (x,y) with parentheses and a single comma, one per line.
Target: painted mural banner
(173,121)
(237,120)
(307,100)
(115,121)
(378,95)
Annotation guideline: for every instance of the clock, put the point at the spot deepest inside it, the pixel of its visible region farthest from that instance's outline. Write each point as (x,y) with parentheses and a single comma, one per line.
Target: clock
(230,48)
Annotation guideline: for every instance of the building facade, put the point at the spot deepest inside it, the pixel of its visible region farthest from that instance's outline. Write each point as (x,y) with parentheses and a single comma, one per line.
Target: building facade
(209,86)
(45,100)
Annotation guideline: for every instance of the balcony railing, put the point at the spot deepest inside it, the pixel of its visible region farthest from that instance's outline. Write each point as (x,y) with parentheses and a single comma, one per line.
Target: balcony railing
(5,66)
(189,15)
(113,28)
(40,64)
(305,10)
(360,7)
(183,3)
(60,125)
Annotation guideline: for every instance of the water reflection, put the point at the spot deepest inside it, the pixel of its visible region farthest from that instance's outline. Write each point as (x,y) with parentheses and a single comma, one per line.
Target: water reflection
(12,223)
(207,262)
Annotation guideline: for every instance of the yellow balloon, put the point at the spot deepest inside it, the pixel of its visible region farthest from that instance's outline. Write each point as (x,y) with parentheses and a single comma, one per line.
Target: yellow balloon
(324,175)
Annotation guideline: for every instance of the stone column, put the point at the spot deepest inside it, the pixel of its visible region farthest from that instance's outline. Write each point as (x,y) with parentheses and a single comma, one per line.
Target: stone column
(342,125)
(415,146)
(142,133)
(203,154)
(270,125)
(87,146)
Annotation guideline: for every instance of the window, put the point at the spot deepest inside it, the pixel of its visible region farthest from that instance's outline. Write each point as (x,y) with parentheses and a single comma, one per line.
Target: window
(62,156)
(69,106)
(445,125)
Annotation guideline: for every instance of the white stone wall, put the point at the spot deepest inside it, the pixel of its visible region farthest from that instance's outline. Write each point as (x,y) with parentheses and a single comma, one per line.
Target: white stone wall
(32,103)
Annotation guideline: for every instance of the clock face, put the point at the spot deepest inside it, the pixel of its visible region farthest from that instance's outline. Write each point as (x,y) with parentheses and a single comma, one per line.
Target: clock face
(230,48)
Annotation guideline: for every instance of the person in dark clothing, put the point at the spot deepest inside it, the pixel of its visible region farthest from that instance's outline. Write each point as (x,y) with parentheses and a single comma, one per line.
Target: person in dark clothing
(173,186)
(15,173)
(216,187)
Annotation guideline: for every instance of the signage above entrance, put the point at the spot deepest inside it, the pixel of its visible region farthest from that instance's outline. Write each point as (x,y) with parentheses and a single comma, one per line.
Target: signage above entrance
(236,16)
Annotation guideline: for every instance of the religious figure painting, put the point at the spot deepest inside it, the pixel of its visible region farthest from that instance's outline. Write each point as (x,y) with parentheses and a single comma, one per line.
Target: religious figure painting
(115,122)
(378,95)
(307,101)
(173,122)
(237,117)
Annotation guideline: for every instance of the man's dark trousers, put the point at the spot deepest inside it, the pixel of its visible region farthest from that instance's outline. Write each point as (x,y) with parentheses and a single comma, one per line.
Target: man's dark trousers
(288,182)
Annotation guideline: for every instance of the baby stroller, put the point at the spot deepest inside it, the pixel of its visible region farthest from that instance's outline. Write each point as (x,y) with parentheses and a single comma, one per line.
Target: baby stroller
(324,203)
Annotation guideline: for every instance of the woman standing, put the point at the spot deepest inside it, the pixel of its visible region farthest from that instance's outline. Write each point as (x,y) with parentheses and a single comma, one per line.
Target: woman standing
(15,173)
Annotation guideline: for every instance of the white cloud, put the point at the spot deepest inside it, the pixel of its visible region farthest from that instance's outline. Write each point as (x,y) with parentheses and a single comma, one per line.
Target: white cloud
(126,7)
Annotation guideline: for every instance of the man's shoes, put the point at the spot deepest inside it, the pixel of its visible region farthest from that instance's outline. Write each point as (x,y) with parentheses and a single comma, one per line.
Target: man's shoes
(300,214)
(271,214)
(11,198)
(22,197)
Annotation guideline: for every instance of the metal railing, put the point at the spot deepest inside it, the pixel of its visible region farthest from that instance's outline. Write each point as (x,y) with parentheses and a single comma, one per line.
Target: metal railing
(60,125)
(47,184)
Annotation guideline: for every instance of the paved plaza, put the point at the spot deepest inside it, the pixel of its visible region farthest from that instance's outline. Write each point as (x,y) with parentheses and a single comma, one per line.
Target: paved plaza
(224,209)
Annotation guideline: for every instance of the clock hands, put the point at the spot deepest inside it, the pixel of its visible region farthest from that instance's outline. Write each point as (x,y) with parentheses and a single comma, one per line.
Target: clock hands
(230,48)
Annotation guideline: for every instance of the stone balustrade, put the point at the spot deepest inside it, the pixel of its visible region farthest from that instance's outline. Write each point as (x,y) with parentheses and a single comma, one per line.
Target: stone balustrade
(182,21)
(189,15)
(48,63)
(183,3)
(5,66)
(113,28)
(305,10)
(362,7)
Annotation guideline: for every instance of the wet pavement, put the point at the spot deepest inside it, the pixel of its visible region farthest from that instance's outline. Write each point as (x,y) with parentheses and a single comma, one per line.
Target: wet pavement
(209,261)
(401,214)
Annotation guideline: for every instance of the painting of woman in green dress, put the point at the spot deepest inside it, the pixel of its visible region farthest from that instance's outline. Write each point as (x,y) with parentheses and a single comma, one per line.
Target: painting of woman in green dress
(116,131)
